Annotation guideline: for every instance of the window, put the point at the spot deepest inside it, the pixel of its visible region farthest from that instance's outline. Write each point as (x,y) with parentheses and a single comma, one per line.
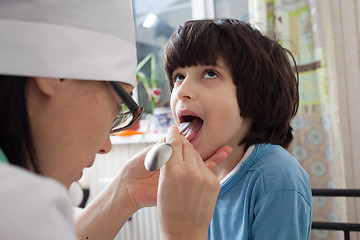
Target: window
(232,9)
(155,21)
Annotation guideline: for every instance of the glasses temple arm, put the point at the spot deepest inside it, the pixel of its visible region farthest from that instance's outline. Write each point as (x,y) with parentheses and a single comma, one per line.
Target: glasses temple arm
(130,103)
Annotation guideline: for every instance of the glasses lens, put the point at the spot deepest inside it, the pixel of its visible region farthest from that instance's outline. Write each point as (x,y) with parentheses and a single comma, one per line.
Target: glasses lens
(123,108)
(121,121)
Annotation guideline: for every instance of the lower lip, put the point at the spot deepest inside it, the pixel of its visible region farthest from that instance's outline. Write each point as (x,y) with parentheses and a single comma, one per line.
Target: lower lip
(82,171)
(80,176)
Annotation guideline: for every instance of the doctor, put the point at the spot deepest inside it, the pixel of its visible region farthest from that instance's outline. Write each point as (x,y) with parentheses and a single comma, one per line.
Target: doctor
(67,69)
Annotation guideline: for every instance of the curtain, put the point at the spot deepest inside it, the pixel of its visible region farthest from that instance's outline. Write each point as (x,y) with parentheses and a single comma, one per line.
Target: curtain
(304,27)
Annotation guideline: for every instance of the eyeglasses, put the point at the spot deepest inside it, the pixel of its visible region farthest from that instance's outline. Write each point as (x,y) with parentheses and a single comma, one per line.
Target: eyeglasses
(129,112)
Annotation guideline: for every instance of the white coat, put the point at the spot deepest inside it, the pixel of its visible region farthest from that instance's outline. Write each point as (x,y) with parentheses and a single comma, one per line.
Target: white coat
(33,207)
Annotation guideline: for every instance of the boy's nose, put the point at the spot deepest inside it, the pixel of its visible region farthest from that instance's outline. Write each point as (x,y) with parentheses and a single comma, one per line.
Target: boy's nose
(187,90)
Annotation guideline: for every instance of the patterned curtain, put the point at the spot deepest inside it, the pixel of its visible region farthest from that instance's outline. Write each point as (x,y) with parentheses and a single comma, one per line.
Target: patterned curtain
(304,27)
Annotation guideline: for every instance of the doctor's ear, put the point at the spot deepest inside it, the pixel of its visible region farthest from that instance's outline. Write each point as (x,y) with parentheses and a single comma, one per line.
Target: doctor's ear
(48,86)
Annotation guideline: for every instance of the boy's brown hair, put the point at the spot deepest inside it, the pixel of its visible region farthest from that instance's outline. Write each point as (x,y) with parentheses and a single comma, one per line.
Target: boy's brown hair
(267,87)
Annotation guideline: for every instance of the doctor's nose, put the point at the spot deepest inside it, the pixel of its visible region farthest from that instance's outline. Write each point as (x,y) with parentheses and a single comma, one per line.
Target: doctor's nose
(106,147)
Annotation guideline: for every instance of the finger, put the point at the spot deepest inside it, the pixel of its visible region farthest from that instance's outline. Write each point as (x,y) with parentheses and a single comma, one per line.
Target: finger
(189,153)
(143,152)
(172,133)
(218,157)
(174,139)
(141,155)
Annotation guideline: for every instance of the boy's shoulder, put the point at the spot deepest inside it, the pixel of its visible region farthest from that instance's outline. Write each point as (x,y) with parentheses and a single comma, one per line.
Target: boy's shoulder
(279,169)
(269,156)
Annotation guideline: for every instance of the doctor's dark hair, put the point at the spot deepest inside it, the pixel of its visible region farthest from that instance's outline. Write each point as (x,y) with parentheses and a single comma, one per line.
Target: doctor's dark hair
(266,83)
(15,132)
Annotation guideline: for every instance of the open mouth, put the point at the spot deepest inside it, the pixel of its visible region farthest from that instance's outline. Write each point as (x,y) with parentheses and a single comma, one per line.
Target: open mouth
(193,128)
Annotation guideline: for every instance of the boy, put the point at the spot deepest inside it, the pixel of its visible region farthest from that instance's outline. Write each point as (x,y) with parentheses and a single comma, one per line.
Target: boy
(237,88)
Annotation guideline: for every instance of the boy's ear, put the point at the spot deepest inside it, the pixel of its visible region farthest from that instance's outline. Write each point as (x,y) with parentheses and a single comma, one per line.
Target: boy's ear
(48,86)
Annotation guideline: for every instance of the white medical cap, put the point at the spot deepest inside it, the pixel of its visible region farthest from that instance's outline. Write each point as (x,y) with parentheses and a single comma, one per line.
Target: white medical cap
(75,39)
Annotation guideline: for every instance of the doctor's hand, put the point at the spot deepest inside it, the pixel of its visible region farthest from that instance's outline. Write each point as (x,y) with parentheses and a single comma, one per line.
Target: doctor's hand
(141,185)
(187,190)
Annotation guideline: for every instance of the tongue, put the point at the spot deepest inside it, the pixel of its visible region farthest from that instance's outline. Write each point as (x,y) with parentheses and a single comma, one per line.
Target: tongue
(192,128)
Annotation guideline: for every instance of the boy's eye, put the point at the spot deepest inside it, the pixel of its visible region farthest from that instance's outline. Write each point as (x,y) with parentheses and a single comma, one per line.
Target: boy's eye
(210,74)
(178,78)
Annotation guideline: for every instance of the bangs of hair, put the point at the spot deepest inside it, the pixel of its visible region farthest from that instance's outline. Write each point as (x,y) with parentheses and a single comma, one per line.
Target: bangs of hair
(186,47)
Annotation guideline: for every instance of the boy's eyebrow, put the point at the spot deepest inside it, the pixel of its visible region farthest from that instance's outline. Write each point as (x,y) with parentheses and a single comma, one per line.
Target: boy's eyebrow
(215,65)
(218,65)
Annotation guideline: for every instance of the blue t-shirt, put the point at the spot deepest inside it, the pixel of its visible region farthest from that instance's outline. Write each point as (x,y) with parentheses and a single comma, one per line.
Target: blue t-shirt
(269,197)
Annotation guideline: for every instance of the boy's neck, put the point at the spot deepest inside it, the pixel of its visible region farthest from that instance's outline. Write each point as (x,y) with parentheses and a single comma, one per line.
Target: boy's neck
(224,168)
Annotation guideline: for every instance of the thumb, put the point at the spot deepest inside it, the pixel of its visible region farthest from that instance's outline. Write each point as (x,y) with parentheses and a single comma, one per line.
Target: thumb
(220,155)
